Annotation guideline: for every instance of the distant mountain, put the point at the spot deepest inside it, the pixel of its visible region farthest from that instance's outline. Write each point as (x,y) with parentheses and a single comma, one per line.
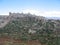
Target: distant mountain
(55,18)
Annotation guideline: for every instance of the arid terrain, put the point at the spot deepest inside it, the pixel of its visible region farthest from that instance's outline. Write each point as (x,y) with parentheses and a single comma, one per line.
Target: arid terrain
(28,29)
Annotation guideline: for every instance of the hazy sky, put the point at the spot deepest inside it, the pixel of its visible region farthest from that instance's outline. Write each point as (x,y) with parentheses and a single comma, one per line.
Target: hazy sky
(45,8)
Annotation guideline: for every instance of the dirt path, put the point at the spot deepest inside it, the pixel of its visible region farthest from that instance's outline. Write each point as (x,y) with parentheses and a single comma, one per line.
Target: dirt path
(32,42)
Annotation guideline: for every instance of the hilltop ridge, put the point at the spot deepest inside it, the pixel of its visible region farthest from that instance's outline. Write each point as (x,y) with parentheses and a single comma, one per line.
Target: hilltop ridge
(13,16)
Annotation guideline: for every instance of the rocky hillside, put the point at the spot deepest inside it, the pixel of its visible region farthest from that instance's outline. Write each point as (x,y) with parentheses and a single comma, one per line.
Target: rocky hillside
(29,27)
(17,16)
